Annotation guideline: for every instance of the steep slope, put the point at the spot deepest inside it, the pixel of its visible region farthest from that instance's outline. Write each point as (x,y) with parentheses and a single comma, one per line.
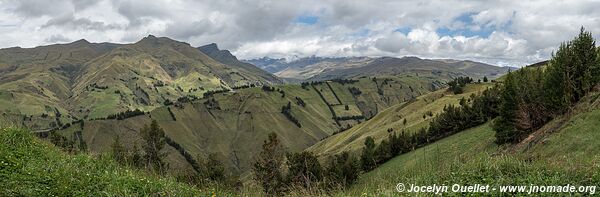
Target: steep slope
(564,151)
(303,69)
(32,167)
(35,82)
(392,120)
(234,124)
(391,66)
(48,86)
(225,57)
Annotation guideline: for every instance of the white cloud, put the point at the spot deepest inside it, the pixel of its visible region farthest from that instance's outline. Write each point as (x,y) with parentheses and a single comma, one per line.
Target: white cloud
(516,32)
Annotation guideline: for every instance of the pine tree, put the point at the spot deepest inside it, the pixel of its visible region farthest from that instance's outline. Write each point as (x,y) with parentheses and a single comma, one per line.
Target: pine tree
(382,152)
(343,170)
(368,161)
(505,124)
(585,60)
(118,151)
(556,81)
(267,168)
(215,170)
(154,138)
(304,169)
(485,79)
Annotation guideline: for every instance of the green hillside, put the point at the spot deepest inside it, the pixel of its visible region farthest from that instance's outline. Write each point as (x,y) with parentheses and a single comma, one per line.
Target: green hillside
(48,86)
(234,124)
(392,119)
(564,151)
(31,167)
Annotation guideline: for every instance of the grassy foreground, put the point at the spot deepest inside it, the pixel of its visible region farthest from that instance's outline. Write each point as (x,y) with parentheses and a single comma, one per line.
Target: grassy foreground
(32,167)
(470,157)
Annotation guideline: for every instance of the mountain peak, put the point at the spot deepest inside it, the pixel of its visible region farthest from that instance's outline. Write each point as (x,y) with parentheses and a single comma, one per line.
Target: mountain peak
(209,48)
(81,41)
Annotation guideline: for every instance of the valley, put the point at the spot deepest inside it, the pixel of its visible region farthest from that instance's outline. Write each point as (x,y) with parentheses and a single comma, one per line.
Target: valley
(160,117)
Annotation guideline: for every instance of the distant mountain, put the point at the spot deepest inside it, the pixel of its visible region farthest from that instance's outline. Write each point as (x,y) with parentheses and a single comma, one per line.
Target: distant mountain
(268,64)
(59,83)
(320,68)
(225,57)
(385,66)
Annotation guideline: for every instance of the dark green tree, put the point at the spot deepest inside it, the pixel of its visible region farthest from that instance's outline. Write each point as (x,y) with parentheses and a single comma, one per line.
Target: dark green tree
(505,124)
(343,170)
(118,151)
(215,169)
(368,161)
(154,138)
(304,169)
(267,167)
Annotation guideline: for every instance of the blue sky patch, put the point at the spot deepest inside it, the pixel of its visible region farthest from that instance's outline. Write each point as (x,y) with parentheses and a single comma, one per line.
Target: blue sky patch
(307,19)
(403,30)
(467,19)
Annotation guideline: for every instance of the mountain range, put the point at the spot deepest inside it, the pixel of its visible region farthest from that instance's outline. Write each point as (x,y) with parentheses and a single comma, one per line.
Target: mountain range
(325,68)
(82,80)
(205,99)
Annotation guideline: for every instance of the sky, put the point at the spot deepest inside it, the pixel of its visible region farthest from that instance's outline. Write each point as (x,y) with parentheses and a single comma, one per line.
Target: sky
(500,32)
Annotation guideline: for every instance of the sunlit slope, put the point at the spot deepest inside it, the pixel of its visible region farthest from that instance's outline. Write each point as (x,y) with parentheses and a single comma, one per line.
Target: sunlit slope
(31,167)
(392,119)
(235,124)
(425,165)
(564,151)
(49,86)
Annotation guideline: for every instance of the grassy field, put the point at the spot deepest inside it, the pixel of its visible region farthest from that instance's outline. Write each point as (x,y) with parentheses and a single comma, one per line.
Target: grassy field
(31,167)
(471,157)
(393,118)
(236,129)
(564,151)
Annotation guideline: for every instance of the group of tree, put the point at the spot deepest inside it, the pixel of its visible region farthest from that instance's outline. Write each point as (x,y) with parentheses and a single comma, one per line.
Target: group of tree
(354,91)
(286,110)
(533,96)
(476,110)
(151,157)
(457,84)
(277,171)
(300,102)
(125,114)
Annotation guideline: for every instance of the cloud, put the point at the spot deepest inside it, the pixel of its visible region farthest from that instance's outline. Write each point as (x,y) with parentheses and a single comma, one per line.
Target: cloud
(509,32)
(70,22)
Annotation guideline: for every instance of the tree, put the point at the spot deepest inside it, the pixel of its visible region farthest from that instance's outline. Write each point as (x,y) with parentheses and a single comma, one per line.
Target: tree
(118,151)
(382,152)
(586,62)
(485,79)
(154,138)
(343,170)
(367,158)
(267,167)
(304,169)
(215,170)
(505,124)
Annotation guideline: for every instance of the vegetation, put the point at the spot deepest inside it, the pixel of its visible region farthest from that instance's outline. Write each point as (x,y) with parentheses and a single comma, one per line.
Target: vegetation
(457,84)
(31,167)
(287,111)
(532,97)
(126,114)
(154,138)
(267,168)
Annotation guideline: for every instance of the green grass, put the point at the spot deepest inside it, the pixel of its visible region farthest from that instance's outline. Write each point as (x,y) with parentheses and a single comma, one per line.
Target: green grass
(470,157)
(576,141)
(31,167)
(392,118)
